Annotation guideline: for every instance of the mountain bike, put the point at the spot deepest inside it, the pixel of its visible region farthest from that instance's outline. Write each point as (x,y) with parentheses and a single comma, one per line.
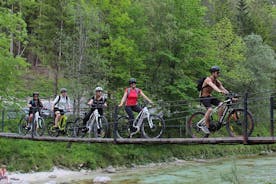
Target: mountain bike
(97,124)
(36,127)
(150,125)
(234,120)
(64,127)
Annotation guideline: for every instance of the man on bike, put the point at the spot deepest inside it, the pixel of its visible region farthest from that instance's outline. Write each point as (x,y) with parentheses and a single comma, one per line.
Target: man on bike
(61,105)
(96,102)
(211,84)
(130,98)
(34,103)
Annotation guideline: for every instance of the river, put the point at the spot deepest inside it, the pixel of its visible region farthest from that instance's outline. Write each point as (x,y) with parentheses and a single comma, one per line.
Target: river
(253,170)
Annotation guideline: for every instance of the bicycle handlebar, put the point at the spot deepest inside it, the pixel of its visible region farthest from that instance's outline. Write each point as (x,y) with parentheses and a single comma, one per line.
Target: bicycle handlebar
(232,95)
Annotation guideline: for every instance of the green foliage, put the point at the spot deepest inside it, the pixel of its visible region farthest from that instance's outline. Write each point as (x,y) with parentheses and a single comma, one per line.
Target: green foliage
(12,27)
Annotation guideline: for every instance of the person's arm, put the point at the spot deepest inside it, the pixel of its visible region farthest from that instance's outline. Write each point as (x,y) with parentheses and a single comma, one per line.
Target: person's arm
(90,102)
(123,99)
(30,104)
(69,104)
(210,83)
(225,91)
(105,104)
(54,102)
(145,97)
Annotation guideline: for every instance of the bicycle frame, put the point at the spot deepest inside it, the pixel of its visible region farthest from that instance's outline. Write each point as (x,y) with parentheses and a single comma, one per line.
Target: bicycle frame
(94,117)
(144,113)
(226,109)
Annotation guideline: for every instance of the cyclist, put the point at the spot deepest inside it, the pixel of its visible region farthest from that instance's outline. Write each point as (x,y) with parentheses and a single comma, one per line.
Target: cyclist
(34,103)
(96,102)
(209,85)
(61,104)
(130,98)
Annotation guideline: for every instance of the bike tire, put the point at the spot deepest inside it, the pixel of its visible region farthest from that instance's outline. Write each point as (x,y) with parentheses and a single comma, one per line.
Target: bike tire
(78,128)
(40,127)
(123,127)
(69,129)
(192,128)
(103,130)
(235,122)
(52,131)
(158,127)
(23,123)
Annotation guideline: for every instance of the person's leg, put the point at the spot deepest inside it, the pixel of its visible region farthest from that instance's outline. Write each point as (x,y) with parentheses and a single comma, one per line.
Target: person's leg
(130,114)
(216,102)
(87,116)
(136,108)
(206,101)
(57,118)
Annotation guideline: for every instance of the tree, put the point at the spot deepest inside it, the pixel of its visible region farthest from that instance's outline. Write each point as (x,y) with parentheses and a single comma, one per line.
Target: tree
(12,27)
(244,21)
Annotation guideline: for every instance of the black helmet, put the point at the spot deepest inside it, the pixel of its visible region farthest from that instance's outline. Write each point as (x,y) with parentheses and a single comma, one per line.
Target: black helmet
(35,93)
(132,80)
(63,90)
(214,69)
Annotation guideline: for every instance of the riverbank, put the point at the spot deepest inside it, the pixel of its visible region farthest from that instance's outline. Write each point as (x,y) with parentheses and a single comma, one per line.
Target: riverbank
(31,156)
(136,172)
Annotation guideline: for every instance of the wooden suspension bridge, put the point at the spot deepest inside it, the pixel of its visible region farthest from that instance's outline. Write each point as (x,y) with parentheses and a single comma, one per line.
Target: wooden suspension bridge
(217,140)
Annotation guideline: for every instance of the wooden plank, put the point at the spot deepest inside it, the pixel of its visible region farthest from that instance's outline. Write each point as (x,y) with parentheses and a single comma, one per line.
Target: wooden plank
(217,140)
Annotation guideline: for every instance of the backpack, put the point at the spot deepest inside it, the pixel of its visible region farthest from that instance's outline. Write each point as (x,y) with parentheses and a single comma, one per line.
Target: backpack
(136,89)
(59,100)
(200,83)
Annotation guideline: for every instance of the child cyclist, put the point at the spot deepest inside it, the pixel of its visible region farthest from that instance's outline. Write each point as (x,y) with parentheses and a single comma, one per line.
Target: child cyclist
(96,102)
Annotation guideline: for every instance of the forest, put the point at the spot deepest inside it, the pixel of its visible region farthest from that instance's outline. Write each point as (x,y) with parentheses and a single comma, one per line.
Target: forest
(167,45)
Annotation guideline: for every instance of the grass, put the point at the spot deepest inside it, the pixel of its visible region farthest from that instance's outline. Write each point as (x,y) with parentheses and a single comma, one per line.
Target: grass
(25,155)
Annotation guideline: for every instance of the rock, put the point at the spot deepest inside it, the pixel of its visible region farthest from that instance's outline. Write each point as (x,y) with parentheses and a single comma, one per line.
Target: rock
(51,182)
(52,176)
(110,169)
(101,179)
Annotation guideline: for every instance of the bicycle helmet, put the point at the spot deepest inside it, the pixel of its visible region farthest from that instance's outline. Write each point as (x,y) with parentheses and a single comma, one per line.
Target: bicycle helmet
(35,93)
(214,69)
(63,90)
(98,88)
(132,80)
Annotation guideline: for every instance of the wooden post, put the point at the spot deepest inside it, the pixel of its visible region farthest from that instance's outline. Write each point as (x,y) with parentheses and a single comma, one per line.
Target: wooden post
(272,116)
(245,135)
(3,119)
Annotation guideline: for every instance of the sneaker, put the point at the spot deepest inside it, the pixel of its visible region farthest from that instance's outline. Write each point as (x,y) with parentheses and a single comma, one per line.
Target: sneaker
(205,129)
(85,129)
(28,127)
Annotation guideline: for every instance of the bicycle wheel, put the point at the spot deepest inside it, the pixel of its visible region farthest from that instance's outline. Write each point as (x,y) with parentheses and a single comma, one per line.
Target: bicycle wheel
(40,127)
(69,129)
(52,131)
(156,130)
(79,128)
(193,130)
(22,126)
(235,122)
(102,129)
(123,127)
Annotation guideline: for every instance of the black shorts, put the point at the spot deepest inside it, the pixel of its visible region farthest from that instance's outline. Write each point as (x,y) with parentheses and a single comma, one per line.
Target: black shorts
(208,101)
(60,110)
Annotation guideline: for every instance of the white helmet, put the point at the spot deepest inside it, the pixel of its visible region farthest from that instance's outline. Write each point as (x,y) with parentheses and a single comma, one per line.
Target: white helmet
(98,89)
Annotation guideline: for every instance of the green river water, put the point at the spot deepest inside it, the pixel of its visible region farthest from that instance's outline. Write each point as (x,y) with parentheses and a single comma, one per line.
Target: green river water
(253,170)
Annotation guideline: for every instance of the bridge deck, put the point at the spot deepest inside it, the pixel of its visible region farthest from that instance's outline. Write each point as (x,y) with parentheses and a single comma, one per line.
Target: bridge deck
(211,140)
